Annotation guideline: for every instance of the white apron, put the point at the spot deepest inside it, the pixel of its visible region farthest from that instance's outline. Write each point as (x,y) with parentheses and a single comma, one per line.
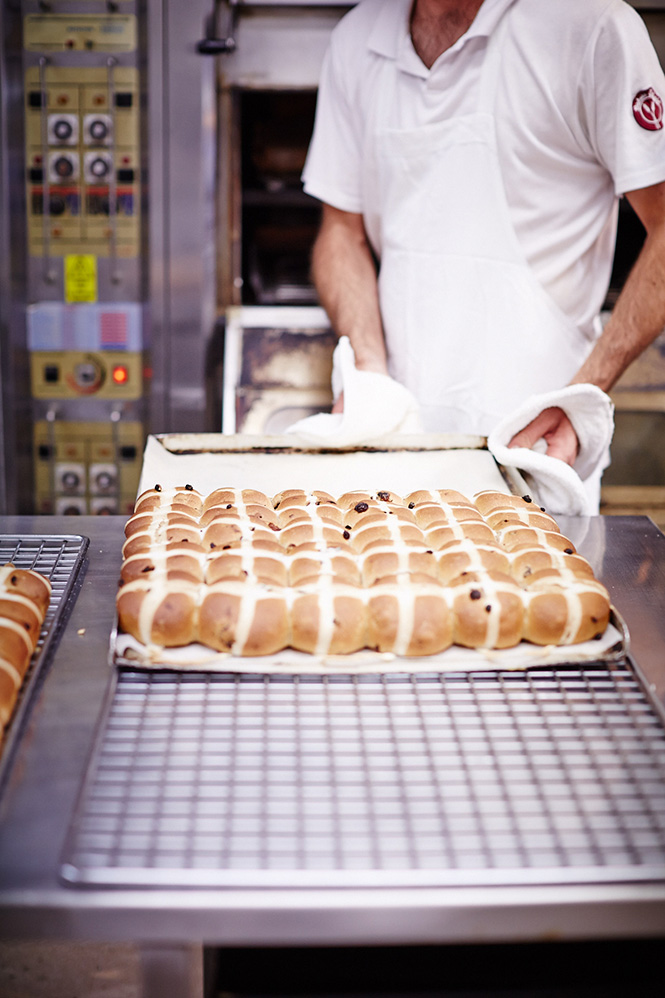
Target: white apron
(469,329)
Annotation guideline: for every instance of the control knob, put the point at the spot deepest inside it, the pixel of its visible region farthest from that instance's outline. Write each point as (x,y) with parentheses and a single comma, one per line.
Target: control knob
(86,373)
(63,167)
(104,481)
(70,481)
(88,376)
(63,129)
(98,129)
(98,167)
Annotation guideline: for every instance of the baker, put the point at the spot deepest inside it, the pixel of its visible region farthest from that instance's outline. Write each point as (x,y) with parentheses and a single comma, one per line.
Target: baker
(470,155)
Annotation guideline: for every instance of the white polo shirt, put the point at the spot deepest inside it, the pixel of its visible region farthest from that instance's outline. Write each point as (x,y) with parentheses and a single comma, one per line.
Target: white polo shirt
(579,120)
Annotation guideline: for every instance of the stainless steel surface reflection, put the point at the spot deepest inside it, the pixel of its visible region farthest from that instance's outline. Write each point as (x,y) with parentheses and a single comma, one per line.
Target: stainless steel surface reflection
(628,554)
(44,781)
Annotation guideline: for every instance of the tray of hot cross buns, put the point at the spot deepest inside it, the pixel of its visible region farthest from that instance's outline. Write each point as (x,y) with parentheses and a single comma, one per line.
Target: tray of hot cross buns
(239,578)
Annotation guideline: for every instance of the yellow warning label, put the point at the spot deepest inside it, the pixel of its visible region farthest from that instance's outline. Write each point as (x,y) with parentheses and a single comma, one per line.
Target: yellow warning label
(80,277)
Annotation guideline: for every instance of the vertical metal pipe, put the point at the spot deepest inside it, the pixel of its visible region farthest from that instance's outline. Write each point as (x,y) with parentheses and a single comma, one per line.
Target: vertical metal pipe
(47,270)
(113,185)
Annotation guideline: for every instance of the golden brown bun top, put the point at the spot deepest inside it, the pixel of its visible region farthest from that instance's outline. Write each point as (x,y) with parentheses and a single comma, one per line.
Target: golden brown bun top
(451,496)
(350,500)
(236,497)
(298,497)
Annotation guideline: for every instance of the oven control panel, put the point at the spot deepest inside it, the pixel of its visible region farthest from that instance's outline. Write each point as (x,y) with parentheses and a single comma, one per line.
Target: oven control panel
(83,140)
(82,160)
(87,467)
(72,374)
(86,350)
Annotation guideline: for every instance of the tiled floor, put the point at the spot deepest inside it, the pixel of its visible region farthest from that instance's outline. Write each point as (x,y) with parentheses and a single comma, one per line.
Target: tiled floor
(65,970)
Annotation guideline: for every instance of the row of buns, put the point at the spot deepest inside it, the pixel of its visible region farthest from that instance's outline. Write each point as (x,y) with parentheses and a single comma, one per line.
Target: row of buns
(24,600)
(249,574)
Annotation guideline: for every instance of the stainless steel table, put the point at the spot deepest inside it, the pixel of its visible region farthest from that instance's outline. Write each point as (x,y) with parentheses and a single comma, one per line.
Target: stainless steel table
(628,554)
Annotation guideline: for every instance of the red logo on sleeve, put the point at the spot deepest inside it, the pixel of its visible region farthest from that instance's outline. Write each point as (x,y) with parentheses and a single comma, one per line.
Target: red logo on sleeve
(648,110)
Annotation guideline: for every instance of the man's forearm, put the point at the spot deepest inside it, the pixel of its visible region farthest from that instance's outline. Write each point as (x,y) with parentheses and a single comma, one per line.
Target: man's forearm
(637,318)
(345,278)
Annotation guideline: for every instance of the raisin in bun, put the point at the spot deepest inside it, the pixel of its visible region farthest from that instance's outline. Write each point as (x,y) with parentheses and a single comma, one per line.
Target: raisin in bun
(488,610)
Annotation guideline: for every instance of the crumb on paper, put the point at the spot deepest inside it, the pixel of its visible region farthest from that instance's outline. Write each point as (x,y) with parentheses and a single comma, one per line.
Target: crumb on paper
(81,631)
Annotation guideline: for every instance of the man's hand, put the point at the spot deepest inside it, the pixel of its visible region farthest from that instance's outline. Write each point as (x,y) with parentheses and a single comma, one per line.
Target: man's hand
(556,430)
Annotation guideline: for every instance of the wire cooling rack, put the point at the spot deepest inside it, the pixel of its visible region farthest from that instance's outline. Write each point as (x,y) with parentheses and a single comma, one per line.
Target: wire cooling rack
(497,778)
(59,557)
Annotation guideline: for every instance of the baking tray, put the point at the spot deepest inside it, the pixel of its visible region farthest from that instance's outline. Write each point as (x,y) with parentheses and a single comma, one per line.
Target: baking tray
(546,776)
(613,645)
(399,463)
(60,558)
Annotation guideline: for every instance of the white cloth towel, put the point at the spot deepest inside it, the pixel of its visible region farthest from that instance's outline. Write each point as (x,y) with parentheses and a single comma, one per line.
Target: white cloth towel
(560,488)
(374,405)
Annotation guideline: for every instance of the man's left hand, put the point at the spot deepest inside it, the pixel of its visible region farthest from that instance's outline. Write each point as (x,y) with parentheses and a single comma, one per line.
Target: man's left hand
(554,427)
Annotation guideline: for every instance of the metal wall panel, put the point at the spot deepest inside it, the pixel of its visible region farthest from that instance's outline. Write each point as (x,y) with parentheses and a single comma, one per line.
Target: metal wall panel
(181,158)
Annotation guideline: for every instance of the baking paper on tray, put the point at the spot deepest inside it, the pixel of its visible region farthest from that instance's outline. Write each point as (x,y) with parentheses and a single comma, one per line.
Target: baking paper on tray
(212,461)
(131,653)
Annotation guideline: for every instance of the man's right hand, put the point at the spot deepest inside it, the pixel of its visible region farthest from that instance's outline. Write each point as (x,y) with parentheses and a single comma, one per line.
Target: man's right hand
(553,426)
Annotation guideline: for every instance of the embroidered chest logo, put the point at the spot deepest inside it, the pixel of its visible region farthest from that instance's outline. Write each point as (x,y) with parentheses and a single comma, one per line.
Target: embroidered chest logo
(648,110)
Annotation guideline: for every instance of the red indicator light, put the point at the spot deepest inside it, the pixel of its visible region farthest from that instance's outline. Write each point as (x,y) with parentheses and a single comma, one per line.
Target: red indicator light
(120,375)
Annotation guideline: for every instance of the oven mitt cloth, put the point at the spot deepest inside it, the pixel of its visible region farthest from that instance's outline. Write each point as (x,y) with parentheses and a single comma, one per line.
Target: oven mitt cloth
(374,405)
(559,487)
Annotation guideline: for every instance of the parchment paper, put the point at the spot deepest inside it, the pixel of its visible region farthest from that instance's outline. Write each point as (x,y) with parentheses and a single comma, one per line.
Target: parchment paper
(398,464)
(131,653)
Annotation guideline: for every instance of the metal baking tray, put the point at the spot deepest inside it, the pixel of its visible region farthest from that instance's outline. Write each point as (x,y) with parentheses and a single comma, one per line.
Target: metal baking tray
(126,652)
(545,776)
(397,462)
(59,557)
